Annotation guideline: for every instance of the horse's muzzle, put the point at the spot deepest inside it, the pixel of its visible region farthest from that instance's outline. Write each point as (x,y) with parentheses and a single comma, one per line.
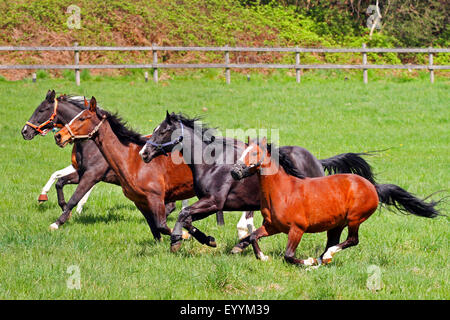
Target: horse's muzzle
(60,142)
(28,133)
(240,171)
(146,154)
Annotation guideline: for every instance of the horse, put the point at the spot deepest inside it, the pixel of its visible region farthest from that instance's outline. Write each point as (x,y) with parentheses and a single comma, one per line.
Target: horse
(88,164)
(296,206)
(150,187)
(213,184)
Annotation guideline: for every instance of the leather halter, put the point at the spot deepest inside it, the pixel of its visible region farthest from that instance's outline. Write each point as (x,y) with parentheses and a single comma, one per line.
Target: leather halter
(42,125)
(161,146)
(74,137)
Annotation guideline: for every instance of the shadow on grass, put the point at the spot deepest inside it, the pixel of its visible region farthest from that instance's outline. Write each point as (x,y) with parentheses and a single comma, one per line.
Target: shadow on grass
(112,214)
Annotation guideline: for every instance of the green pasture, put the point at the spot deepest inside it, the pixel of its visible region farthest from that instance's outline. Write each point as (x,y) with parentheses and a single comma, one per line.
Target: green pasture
(111,243)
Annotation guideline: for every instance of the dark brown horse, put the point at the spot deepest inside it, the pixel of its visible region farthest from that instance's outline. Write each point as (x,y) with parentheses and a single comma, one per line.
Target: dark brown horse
(150,187)
(296,206)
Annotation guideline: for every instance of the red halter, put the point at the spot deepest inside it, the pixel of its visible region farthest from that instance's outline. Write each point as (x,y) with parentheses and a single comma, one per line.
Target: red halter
(39,127)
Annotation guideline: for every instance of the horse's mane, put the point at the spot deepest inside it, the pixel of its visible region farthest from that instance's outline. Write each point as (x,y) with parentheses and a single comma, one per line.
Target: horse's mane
(284,160)
(189,122)
(76,100)
(120,129)
(118,125)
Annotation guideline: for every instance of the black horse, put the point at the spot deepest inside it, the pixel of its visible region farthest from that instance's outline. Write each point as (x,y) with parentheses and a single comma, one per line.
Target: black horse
(213,184)
(91,167)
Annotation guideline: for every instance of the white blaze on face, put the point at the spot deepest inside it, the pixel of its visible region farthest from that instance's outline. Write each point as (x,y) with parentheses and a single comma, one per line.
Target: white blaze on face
(141,153)
(246,151)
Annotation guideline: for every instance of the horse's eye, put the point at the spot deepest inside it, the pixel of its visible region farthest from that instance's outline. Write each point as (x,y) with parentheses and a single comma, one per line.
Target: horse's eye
(82,118)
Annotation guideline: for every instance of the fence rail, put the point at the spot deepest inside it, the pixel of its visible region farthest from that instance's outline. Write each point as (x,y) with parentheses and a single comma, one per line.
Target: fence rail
(227,65)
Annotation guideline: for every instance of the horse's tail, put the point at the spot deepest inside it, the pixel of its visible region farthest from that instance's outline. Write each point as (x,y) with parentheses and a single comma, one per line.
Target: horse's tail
(349,163)
(405,202)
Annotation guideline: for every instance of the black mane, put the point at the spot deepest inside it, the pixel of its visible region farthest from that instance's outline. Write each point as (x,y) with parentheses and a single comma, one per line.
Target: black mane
(284,160)
(189,122)
(120,129)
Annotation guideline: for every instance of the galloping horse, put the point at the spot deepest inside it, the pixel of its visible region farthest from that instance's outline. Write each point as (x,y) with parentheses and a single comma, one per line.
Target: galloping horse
(148,186)
(296,206)
(213,184)
(88,167)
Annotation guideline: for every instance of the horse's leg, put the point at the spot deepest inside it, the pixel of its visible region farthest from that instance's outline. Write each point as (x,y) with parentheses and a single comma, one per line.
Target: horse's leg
(157,208)
(72,178)
(83,201)
(294,236)
(219,218)
(150,221)
(55,176)
(108,177)
(199,210)
(170,207)
(263,231)
(333,238)
(352,240)
(87,181)
(245,225)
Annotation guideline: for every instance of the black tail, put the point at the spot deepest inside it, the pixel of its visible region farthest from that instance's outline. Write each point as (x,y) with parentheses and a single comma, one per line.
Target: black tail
(402,200)
(349,163)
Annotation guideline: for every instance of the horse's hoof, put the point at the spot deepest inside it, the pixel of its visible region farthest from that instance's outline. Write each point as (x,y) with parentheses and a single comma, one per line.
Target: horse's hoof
(185,235)
(263,257)
(211,242)
(42,198)
(236,250)
(54,226)
(174,247)
(310,262)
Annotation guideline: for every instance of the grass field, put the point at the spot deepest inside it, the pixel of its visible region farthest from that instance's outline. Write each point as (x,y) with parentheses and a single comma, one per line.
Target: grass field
(112,246)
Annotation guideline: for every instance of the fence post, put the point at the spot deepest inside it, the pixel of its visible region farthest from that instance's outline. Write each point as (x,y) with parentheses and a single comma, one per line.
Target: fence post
(297,63)
(430,63)
(146,76)
(77,62)
(155,62)
(33,76)
(364,61)
(227,70)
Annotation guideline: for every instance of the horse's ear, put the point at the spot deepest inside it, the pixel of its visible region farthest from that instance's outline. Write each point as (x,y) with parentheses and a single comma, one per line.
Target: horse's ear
(93,104)
(248,140)
(86,103)
(50,97)
(168,117)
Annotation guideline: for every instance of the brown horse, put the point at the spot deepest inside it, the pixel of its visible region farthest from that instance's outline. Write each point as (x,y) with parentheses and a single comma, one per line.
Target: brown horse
(149,186)
(296,206)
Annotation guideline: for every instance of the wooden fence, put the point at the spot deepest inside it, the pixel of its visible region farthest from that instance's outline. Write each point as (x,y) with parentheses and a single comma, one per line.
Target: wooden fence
(227,65)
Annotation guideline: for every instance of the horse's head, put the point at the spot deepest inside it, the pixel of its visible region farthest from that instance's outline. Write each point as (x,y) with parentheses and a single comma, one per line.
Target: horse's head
(42,120)
(83,126)
(52,113)
(254,157)
(164,138)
